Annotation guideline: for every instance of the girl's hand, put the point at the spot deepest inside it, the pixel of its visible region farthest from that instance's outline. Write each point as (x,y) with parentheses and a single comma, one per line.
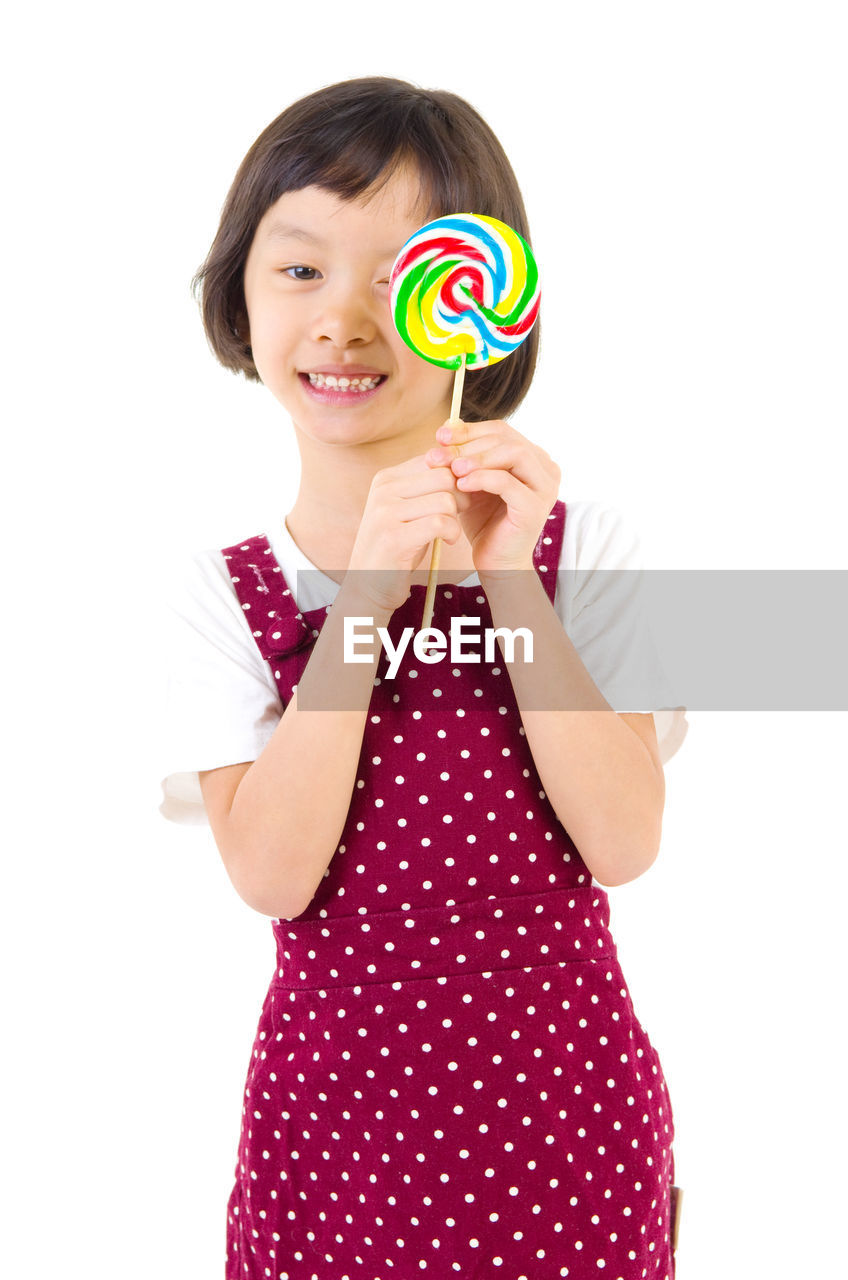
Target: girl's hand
(511,485)
(408,506)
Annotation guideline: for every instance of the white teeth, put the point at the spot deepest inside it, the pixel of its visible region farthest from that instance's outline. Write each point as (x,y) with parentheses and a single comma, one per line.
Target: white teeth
(358,383)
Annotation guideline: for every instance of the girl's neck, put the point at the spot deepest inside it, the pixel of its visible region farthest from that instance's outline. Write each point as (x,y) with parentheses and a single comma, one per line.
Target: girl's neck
(327,512)
(324,530)
(330,501)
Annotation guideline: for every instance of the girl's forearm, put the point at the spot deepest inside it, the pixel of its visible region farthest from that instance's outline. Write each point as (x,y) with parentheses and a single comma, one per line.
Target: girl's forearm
(597,773)
(290,807)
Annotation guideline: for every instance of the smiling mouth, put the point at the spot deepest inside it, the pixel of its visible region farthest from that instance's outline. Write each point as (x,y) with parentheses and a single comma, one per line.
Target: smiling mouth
(355,385)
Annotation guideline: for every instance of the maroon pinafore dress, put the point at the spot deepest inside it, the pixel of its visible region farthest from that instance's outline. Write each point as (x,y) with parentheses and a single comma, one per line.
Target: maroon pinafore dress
(448,1078)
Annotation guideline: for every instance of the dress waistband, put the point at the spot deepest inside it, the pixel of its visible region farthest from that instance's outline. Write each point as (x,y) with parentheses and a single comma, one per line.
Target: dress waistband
(515,932)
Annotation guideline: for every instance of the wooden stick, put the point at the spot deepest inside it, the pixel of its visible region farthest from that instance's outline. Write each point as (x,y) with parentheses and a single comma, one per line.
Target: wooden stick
(436,554)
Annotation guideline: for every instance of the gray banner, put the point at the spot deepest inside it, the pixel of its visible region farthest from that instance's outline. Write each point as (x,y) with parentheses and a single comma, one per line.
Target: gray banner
(715,640)
(751,640)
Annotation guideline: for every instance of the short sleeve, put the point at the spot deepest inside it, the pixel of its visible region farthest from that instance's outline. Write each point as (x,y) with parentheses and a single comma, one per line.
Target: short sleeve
(600,600)
(221,704)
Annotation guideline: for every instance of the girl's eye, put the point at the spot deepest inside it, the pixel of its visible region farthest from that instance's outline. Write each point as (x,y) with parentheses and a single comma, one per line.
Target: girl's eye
(301,273)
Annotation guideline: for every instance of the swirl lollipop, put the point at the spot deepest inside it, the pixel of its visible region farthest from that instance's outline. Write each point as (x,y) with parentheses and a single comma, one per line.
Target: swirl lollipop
(464,292)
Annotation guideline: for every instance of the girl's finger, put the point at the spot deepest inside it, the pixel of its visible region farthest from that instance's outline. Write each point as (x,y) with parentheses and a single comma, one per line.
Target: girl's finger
(426,528)
(461,433)
(470,448)
(411,483)
(488,441)
(505,454)
(426,504)
(441,456)
(528,467)
(520,500)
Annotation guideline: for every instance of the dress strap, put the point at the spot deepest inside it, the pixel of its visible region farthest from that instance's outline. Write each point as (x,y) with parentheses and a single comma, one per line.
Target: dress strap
(547,552)
(283,635)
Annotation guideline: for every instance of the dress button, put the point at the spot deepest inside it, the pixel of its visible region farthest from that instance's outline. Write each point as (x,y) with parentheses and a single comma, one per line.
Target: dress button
(287,635)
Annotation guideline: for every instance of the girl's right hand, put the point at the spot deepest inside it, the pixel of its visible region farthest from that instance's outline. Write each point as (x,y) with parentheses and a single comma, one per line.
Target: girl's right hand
(408,506)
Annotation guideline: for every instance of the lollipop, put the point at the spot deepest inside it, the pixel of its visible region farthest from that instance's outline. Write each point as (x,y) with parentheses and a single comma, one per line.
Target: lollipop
(465,293)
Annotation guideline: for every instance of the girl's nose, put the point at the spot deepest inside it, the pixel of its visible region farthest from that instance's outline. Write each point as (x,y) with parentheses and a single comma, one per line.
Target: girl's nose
(346,318)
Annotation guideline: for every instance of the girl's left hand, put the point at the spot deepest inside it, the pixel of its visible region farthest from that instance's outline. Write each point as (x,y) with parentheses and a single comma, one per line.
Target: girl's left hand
(512,483)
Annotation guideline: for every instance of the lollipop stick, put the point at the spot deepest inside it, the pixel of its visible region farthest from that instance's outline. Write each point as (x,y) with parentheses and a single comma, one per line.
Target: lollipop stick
(436,554)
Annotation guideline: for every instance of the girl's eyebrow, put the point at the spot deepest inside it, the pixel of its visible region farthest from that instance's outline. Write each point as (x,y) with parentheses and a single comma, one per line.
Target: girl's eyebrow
(287,231)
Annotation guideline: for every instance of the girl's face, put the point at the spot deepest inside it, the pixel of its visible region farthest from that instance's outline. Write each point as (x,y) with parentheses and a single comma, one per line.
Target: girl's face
(316,285)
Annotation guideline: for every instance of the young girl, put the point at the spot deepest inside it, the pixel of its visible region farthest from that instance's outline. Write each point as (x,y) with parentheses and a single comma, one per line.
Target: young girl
(448,1075)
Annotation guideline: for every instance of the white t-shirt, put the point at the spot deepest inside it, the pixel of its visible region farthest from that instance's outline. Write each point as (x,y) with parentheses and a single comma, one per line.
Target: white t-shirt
(222,703)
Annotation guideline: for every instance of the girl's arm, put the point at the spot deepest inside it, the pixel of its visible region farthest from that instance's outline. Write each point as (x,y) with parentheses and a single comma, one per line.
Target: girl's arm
(277,821)
(601,771)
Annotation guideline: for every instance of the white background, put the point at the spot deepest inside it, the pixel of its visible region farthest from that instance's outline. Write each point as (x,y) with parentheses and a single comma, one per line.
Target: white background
(684,171)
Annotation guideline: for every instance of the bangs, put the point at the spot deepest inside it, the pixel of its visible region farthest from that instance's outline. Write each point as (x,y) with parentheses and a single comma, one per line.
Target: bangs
(355,153)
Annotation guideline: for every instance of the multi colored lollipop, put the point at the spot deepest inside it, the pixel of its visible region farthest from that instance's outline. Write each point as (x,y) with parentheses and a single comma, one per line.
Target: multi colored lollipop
(465,293)
(464,285)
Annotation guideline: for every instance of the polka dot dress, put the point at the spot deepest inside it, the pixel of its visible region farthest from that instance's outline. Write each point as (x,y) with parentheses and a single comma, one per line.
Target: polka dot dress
(448,1078)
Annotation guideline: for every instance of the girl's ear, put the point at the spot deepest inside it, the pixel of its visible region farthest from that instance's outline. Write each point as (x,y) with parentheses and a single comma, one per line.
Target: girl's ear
(242,327)
(241,331)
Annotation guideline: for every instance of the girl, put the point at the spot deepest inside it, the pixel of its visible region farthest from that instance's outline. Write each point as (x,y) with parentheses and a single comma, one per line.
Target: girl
(448,1076)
